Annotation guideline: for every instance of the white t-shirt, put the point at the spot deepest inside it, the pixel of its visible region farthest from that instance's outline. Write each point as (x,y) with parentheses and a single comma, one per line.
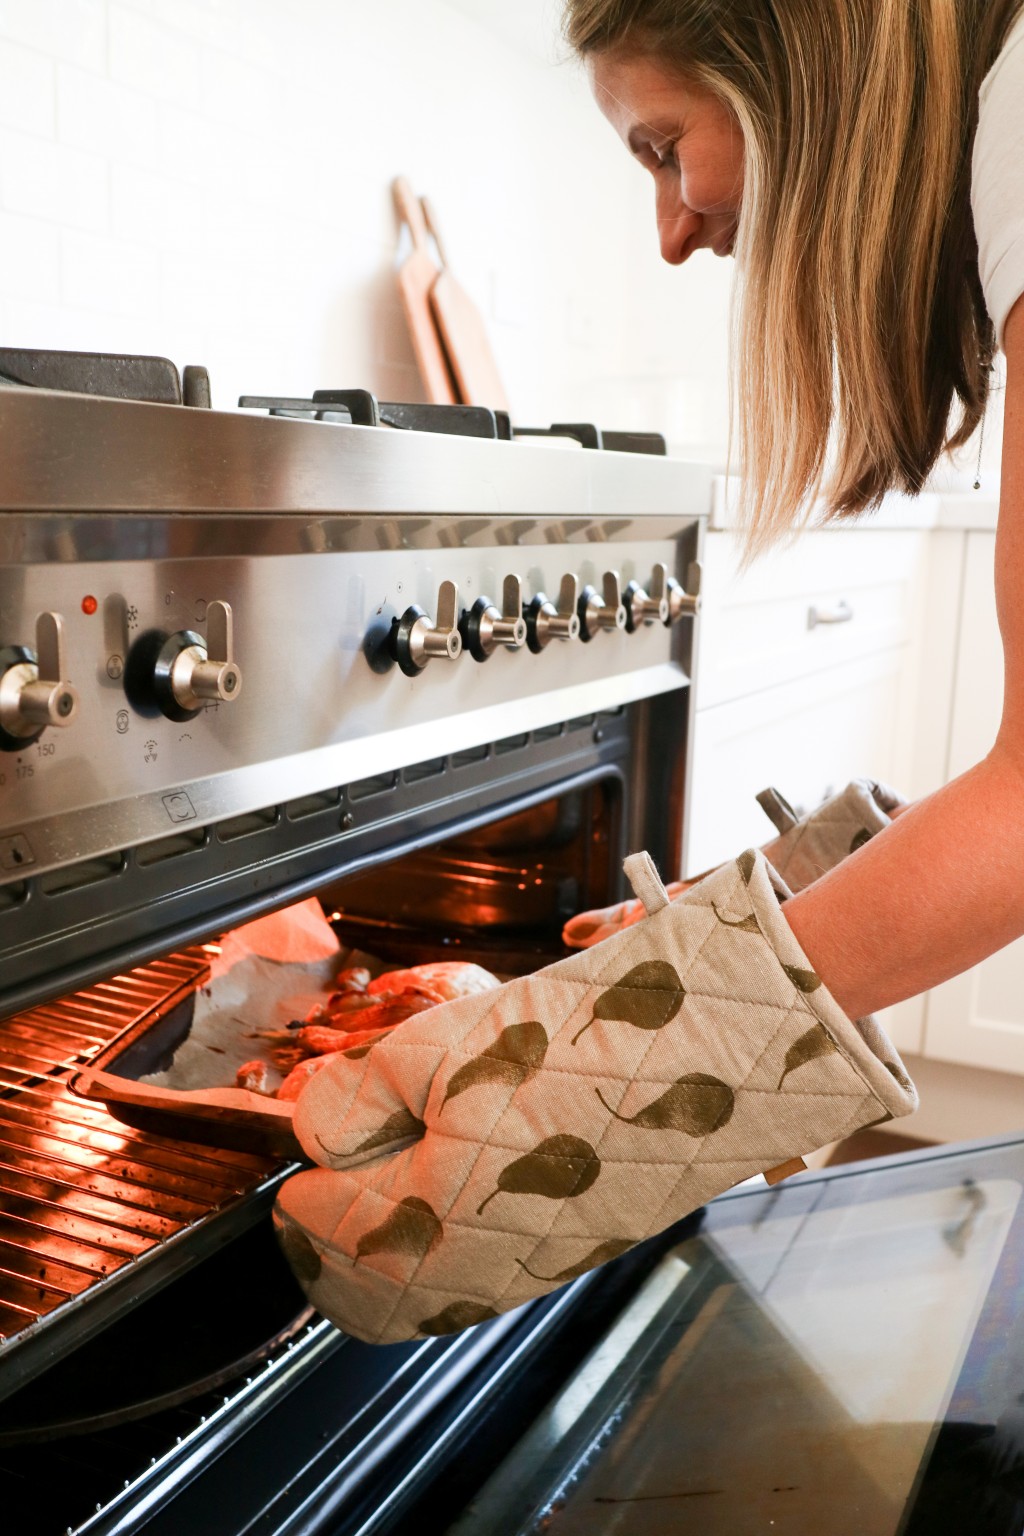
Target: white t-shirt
(997,180)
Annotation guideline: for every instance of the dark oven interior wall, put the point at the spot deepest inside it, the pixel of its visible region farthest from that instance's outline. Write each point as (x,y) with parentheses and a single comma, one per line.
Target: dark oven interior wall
(63,930)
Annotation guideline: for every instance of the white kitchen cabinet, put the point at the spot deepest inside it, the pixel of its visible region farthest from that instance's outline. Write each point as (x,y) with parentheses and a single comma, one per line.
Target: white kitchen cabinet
(803,706)
(807,708)
(977,1019)
(808,737)
(832,596)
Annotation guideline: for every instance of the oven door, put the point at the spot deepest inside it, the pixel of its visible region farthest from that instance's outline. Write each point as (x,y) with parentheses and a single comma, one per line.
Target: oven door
(841,1355)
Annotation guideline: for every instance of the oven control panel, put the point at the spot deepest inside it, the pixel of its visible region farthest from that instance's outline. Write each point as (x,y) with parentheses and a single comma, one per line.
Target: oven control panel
(139,697)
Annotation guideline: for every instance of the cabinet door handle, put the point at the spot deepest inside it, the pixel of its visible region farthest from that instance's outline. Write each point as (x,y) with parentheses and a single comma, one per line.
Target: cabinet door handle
(842,613)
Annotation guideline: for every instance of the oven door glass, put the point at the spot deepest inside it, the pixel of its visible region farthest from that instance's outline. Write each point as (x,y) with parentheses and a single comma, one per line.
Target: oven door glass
(842,1355)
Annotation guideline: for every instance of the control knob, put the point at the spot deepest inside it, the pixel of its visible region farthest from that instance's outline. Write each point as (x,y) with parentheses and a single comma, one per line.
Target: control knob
(546,622)
(34,691)
(416,639)
(681,601)
(483,628)
(597,612)
(177,674)
(644,608)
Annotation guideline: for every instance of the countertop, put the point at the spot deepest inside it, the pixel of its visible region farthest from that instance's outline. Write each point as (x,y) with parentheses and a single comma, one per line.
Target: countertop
(968,510)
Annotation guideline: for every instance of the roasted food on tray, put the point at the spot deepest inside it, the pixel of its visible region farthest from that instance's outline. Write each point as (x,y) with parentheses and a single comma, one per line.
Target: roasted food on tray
(357,1013)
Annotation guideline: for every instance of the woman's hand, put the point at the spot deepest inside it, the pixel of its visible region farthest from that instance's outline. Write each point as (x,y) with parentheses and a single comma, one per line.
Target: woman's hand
(588,928)
(807,850)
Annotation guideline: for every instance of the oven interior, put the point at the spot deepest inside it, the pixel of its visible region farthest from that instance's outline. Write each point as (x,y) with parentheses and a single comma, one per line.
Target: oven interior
(115,1383)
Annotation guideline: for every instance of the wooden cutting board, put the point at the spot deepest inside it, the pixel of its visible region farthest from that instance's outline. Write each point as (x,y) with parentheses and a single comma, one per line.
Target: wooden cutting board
(463,333)
(416,278)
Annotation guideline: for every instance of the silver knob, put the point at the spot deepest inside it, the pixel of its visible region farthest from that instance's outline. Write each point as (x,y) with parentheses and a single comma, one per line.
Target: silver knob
(643,607)
(546,622)
(483,627)
(681,601)
(207,673)
(601,612)
(416,639)
(34,690)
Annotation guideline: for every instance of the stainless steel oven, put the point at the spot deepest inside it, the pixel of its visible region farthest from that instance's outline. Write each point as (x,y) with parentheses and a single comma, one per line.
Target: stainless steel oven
(432,670)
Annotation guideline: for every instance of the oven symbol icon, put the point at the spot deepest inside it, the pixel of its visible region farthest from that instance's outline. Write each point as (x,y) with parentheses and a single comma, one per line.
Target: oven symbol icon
(179,807)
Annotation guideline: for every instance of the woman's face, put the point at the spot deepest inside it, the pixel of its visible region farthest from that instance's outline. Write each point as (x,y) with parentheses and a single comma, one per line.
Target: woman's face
(689,141)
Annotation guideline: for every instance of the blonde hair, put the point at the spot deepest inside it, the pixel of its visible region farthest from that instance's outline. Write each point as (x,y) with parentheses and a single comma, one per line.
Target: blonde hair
(861,342)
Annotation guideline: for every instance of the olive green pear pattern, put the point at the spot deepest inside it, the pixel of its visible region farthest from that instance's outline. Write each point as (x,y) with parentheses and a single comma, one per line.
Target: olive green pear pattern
(896,1072)
(396,1128)
(648,996)
(359,1051)
(804,981)
(559,1168)
(300,1253)
(815,1043)
(748,924)
(412,1228)
(696,1104)
(516,1054)
(602,1254)
(456,1316)
(746,864)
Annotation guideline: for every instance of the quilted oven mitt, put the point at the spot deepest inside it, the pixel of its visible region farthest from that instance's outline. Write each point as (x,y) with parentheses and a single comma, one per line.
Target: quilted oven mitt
(805,849)
(498,1146)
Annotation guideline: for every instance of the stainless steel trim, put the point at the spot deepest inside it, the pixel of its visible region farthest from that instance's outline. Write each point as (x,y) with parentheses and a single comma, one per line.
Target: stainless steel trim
(79,453)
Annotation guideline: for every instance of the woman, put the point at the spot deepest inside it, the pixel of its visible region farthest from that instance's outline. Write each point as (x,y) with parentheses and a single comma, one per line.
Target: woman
(837,148)
(495,1147)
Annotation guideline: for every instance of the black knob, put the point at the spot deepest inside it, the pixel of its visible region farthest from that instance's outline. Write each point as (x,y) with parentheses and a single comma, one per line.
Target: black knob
(416,639)
(473,624)
(148,668)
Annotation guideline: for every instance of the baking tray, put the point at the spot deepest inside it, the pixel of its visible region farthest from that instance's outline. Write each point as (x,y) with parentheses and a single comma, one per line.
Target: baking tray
(219,1117)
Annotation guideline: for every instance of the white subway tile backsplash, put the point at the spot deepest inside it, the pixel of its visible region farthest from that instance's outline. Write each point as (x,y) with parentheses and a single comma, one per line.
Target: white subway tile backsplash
(153,58)
(62,327)
(72,30)
(107,274)
(27,90)
(29,259)
(194,148)
(238,93)
(53,181)
(156,210)
(109,119)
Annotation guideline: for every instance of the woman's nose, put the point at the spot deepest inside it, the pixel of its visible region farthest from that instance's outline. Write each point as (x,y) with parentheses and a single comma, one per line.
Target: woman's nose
(677,224)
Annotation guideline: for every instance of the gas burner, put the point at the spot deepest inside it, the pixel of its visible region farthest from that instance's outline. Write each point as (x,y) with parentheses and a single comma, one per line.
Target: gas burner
(156,380)
(357,407)
(152,379)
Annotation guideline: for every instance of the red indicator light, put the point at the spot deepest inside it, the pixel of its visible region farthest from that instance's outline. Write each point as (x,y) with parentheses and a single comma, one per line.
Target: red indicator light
(89,605)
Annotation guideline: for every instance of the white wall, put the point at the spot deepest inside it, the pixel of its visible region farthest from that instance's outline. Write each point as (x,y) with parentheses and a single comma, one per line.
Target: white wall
(209,179)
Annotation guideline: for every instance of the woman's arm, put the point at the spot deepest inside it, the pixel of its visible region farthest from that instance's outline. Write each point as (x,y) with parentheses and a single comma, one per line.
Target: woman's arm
(943,887)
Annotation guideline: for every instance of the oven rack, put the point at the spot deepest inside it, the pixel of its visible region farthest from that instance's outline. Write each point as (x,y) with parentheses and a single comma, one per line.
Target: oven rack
(94,1214)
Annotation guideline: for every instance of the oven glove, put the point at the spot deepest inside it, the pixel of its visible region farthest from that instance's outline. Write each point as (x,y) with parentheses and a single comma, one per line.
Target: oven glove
(809,847)
(495,1147)
(805,849)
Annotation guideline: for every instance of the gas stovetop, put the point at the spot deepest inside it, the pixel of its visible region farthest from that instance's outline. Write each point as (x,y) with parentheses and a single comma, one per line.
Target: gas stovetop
(156,380)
